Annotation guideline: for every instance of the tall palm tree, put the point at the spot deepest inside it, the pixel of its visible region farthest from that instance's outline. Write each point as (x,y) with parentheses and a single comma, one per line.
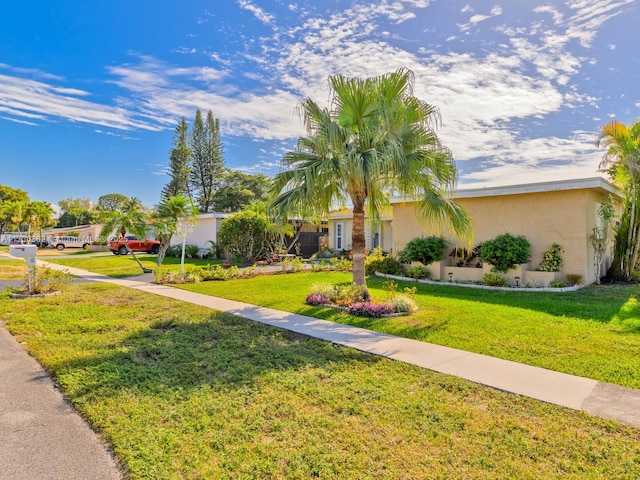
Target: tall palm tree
(130,219)
(40,215)
(376,137)
(175,214)
(622,162)
(18,213)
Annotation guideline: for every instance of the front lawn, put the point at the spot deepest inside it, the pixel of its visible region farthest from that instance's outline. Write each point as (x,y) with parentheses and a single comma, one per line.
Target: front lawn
(180,391)
(593,332)
(122,265)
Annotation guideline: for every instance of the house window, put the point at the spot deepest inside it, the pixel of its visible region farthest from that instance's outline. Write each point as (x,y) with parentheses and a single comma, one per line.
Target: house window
(375,235)
(339,236)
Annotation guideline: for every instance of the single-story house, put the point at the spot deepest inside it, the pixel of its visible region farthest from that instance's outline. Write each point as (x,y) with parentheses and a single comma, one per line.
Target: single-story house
(563,212)
(377,235)
(87,233)
(203,232)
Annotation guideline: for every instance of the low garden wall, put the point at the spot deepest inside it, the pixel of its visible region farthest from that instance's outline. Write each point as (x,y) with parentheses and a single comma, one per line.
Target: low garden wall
(445,272)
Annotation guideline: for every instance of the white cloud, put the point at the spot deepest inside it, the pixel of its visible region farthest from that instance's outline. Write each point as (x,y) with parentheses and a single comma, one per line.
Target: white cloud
(258,12)
(38,100)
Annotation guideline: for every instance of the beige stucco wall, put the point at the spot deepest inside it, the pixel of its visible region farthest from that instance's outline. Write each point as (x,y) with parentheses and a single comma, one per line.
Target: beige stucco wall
(564,217)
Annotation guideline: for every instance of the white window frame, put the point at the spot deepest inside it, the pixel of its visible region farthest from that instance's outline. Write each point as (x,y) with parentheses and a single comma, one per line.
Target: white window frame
(339,235)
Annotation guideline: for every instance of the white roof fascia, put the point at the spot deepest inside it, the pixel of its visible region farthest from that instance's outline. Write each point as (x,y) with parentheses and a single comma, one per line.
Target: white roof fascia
(541,187)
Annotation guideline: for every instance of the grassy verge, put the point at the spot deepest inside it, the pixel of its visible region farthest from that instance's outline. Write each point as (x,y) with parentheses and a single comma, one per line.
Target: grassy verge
(594,332)
(183,392)
(11,269)
(122,266)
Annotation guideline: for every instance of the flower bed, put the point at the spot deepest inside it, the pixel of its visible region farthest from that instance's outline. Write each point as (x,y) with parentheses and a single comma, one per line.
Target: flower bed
(355,300)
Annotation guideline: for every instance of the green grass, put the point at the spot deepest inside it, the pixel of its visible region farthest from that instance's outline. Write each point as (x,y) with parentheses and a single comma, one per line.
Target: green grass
(182,392)
(121,265)
(11,269)
(594,332)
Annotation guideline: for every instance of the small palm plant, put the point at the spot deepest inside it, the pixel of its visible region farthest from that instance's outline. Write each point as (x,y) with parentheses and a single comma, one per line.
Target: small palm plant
(130,219)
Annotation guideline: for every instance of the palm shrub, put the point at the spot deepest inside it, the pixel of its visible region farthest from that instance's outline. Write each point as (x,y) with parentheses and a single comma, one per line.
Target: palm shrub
(191,251)
(505,251)
(425,250)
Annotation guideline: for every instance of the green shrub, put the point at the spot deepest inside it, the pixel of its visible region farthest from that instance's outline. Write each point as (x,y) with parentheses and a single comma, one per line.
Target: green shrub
(574,279)
(492,279)
(505,251)
(558,284)
(191,251)
(214,272)
(245,235)
(372,261)
(174,251)
(383,264)
(552,259)
(45,280)
(417,272)
(425,250)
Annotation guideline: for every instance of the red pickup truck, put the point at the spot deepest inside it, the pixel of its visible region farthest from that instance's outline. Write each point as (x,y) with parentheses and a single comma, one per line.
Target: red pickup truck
(118,247)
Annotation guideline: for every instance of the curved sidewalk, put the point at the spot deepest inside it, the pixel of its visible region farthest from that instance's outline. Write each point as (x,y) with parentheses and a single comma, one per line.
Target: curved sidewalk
(578,393)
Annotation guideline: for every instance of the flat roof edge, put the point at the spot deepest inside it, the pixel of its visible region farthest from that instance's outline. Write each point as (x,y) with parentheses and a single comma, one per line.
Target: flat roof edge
(539,187)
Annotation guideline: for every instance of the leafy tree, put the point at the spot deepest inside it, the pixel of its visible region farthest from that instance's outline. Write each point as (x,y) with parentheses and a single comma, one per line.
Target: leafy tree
(621,162)
(39,216)
(131,218)
(17,212)
(207,162)
(245,235)
(7,195)
(179,159)
(111,202)
(76,211)
(238,190)
(375,137)
(173,214)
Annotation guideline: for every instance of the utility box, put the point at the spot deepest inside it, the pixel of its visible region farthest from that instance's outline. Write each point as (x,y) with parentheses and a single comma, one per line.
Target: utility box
(29,253)
(23,251)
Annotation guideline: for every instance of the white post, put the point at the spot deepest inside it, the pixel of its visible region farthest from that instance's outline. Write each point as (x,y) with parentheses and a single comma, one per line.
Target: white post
(185,227)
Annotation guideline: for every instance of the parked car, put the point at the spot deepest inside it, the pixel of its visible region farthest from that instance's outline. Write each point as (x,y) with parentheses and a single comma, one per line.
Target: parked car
(69,242)
(39,243)
(119,246)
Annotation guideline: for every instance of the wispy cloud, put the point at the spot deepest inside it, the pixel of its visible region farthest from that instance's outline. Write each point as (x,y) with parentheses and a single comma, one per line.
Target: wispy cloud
(258,12)
(490,100)
(25,98)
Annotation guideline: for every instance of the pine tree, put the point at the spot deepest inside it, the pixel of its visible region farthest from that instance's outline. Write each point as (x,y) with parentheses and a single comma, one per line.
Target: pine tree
(179,159)
(207,162)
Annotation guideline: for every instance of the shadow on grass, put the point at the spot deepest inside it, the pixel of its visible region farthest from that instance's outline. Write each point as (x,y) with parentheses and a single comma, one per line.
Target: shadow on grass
(222,351)
(600,303)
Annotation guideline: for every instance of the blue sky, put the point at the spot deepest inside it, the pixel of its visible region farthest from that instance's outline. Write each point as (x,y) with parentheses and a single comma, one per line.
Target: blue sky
(90,92)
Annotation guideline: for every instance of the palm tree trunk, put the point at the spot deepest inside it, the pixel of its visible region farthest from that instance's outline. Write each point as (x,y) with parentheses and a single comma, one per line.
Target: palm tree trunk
(630,236)
(358,246)
(144,270)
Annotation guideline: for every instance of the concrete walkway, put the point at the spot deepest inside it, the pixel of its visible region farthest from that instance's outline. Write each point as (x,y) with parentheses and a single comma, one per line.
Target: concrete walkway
(41,438)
